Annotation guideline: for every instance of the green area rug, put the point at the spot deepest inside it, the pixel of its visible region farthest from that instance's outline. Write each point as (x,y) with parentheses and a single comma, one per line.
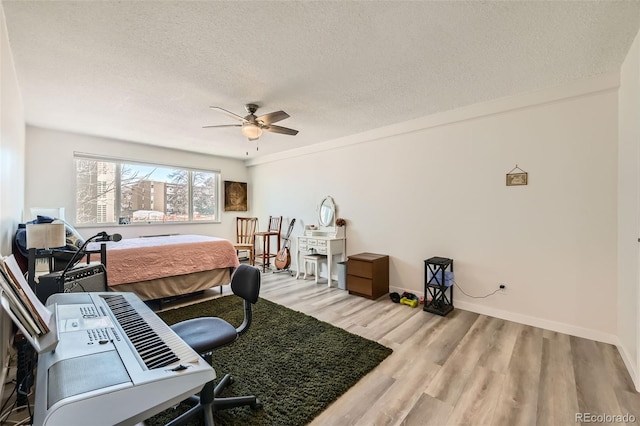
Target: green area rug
(295,364)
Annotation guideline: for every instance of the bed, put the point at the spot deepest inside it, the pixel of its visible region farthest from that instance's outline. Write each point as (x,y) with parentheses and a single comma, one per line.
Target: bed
(168,266)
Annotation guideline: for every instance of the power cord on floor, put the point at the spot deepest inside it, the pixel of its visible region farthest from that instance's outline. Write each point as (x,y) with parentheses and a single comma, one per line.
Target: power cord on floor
(6,412)
(6,402)
(25,390)
(26,420)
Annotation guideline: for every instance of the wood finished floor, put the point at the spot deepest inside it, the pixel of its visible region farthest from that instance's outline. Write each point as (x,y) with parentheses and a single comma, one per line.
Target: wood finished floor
(462,369)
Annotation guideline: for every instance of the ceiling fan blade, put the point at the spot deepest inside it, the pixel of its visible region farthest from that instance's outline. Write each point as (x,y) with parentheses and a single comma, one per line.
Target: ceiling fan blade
(272,117)
(231,114)
(280,129)
(223,125)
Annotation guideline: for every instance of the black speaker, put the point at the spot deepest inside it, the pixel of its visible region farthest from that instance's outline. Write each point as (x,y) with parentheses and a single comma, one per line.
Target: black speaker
(81,278)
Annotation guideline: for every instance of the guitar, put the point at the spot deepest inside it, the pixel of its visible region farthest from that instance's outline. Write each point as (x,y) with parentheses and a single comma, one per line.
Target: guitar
(283,258)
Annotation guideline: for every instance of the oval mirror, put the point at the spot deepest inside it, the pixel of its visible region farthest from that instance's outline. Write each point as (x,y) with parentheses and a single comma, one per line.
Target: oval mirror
(327,212)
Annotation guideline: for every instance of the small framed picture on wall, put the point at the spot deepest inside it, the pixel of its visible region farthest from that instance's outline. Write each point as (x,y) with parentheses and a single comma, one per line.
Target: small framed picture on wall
(517,177)
(235,196)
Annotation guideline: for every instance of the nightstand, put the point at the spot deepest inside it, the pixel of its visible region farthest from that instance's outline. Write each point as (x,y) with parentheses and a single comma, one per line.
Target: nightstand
(368,275)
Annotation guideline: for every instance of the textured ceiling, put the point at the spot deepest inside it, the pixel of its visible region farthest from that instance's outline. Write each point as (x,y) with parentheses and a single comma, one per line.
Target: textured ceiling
(148,71)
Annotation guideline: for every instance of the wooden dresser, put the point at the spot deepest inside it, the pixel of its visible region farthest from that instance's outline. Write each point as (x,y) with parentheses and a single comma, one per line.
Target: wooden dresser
(368,275)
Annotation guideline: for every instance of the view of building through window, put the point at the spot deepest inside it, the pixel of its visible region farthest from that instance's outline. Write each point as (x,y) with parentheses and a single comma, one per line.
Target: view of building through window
(110,191)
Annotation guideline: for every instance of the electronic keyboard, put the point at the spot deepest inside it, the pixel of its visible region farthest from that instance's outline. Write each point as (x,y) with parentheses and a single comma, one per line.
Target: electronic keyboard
(116,363)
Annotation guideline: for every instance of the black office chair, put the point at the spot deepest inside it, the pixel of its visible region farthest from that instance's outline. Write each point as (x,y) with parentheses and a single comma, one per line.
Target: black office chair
(209,333)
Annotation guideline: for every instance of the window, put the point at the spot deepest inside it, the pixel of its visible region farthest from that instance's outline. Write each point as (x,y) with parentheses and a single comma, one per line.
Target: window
(114,191)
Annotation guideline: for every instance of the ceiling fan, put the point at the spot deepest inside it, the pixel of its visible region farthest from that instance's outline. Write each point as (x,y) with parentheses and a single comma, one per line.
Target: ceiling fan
(253,126)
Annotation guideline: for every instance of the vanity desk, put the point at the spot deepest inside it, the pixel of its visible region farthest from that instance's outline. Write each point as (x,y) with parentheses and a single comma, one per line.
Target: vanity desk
(320,244)
(327,239)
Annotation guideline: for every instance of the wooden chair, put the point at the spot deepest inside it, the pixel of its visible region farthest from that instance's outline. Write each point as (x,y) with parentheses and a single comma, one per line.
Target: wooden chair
(273,230)
(246,236)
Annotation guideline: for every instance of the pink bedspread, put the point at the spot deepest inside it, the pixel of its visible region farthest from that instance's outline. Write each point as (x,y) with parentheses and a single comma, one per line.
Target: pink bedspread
(139,259)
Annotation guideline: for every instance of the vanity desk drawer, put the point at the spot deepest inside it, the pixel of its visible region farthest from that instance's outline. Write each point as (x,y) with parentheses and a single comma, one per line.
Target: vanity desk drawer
(317,245)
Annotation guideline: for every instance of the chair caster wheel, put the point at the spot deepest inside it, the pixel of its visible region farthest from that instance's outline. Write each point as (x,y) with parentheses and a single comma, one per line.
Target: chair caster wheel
(257,405)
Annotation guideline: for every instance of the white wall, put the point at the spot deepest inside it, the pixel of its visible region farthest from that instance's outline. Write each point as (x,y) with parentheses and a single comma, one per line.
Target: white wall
(12,141)
(629,213)
(51,180)
(11,171)
(436,187)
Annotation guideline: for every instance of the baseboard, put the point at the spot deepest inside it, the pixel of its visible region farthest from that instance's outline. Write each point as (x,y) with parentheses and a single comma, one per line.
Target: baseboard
(631,366)
(559,327)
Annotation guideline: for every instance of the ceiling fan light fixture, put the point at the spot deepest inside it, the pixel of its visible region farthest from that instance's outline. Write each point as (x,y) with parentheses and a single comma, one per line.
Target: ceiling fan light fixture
(251,131)
(252,126)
